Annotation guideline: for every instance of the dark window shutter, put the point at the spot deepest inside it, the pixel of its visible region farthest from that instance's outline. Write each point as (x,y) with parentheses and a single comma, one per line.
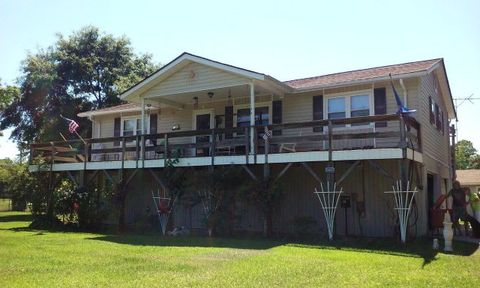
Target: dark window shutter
(380,103)
(318,111)
(277,115)
(228,121)
(153,127)
(437,116)
(116,130)
(153,123)
(431,109)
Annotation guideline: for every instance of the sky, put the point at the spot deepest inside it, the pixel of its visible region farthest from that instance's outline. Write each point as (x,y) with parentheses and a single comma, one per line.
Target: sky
(285,39)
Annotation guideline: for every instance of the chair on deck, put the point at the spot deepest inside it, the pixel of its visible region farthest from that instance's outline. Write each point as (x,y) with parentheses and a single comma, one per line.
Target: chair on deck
(289,146)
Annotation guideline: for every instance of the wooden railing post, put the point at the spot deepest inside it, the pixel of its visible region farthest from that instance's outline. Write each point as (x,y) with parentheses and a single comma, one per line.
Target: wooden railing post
(247,144)
(266,167)
(212,147)
(124,144)
(137,148)
(165,147)
(85,153)
(330,140)
(403,142)
(144,148)
(255,144)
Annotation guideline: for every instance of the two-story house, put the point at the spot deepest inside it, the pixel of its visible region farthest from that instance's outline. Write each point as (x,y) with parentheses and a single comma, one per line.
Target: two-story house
(212,114)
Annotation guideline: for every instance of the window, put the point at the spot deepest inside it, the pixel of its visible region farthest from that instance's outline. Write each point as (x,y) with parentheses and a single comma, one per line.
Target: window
(132,126)
(262,117)
(336,108)
(356,105)
(360,106)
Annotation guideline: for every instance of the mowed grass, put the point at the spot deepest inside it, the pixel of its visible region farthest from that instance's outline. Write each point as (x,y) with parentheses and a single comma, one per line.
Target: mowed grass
(31,258)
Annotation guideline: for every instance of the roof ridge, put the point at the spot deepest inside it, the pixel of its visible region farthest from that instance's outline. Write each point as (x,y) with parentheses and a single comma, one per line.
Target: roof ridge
(365,69)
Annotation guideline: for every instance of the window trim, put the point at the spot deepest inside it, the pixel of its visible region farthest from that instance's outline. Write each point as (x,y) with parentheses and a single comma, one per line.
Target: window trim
(348,111)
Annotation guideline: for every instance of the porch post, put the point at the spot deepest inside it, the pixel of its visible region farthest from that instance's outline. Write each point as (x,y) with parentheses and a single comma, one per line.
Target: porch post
(252,118)
(143,128)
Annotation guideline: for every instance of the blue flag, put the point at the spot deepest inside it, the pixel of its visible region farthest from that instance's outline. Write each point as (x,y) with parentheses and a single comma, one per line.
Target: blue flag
(401,109)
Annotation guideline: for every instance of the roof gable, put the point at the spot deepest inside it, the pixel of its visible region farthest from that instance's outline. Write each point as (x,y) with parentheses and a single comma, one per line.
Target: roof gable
(178,64)
(194,77)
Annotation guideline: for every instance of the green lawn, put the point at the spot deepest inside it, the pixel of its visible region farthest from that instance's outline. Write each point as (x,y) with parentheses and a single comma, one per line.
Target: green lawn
(66,259)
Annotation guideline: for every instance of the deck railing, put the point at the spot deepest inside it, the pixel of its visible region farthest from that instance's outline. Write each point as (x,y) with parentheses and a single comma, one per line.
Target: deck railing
(369,132)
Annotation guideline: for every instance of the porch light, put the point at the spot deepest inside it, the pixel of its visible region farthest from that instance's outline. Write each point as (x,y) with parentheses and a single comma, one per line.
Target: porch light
(176,127)
(210,95)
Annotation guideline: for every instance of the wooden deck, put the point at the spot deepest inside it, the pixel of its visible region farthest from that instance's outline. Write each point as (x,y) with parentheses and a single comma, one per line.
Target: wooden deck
(371,137)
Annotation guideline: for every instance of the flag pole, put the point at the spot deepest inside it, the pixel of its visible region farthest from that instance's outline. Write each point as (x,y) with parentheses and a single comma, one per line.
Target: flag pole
(78,135)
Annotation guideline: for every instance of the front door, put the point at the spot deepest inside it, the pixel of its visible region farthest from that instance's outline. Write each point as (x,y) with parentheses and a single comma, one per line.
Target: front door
(203,121)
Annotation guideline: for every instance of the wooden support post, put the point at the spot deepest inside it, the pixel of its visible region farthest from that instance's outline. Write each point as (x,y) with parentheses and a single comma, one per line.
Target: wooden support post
(250,172)
(382,170)
(72,178)
(284,170)
(349,170)
(159,181)
(310,170)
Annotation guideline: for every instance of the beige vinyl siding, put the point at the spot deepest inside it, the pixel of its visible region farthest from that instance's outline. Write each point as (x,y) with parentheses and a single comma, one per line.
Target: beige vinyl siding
(298,107)
(435,144)
(195,77)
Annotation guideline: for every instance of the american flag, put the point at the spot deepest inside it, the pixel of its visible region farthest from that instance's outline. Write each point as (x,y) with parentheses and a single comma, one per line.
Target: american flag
(72,125)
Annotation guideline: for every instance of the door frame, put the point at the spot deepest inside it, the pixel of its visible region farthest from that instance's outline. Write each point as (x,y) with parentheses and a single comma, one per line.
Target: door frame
(195,113)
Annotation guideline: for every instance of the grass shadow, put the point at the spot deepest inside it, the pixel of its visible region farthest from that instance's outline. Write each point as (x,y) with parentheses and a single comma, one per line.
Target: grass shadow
(190,241)
(16,218)
(420,248)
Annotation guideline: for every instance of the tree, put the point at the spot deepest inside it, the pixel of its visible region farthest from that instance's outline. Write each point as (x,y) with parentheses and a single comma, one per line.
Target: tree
(466,156)
(7,95)
(84,71)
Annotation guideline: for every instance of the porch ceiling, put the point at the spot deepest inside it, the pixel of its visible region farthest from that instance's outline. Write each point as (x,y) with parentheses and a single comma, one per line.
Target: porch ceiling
(186,100)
